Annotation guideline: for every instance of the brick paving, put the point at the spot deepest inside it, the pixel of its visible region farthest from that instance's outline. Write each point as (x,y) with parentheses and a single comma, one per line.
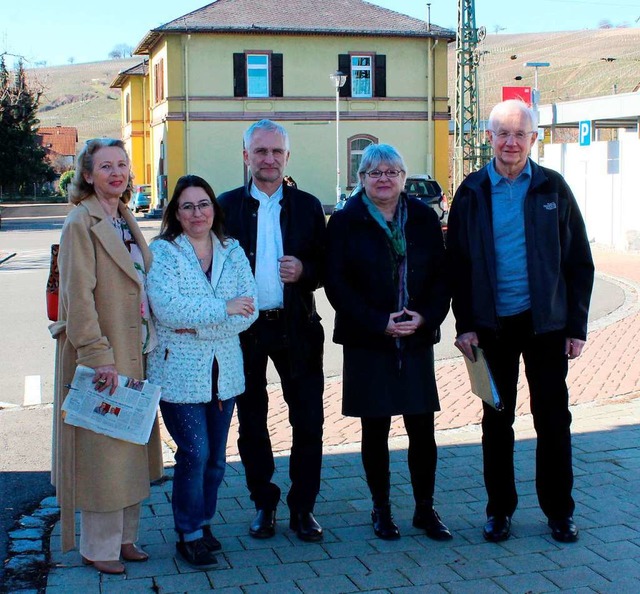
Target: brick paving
(604,385)
(607,368)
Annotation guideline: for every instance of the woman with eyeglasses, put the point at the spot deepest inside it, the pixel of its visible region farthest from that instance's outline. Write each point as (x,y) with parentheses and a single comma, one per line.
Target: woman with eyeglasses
(202,295)
(103,323)
(385,278)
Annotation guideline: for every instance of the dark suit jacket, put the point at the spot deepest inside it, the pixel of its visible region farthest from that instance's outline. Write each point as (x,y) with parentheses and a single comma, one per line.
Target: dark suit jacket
(302,223)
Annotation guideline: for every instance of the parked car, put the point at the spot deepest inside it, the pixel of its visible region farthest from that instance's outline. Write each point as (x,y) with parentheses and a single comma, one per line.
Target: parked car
(141,198)
(423,187)
(427,189)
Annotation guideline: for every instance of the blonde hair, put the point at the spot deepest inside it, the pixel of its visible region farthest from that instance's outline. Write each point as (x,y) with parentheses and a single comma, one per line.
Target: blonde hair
(80,188)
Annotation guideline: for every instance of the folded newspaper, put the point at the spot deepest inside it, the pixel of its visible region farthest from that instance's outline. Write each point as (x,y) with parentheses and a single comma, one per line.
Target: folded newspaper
(127,414)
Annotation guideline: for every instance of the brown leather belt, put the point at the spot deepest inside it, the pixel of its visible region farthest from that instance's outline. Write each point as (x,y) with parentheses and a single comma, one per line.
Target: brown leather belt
(271,315)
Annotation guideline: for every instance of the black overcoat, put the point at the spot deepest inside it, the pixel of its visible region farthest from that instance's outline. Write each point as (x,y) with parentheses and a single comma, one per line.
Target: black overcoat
(379,378)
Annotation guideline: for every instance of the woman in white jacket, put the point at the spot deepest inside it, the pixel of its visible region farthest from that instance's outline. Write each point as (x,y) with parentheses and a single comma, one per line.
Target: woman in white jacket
(202,295)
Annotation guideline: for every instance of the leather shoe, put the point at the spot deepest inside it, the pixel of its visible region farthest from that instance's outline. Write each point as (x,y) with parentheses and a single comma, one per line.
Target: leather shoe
(497,528)
(196,554)
(132,552)
(110,567)
(305,526)
(564,529)
(383,524)
(211,542)
(429,520)
(264,524)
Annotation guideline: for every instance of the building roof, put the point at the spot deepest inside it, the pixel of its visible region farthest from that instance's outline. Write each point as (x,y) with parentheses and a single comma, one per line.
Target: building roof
(307,17)
(141,69)
(59,140)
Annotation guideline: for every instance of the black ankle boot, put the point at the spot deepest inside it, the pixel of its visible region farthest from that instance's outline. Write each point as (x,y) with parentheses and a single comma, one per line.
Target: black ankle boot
(427,518)
(383,524)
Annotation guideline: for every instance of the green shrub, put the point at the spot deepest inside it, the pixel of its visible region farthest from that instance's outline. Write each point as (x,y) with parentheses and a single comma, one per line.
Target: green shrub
(65,180)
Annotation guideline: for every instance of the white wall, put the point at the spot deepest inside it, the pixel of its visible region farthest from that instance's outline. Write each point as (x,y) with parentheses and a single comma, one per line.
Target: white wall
(604,178)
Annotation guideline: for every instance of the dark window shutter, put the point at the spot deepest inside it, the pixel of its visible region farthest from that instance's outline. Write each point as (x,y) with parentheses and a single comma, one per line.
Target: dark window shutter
(380,89)
(344,66)
(276,75)
(239,75)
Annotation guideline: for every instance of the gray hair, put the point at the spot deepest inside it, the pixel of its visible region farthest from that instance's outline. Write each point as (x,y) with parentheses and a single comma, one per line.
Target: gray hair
(80,188)
(267,125)
(509,106)
(375,154)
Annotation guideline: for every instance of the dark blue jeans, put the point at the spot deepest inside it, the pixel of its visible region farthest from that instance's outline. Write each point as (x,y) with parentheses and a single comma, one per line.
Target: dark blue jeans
(200,432)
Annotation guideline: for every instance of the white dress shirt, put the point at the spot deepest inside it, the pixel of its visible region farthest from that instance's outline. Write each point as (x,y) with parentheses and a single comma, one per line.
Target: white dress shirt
(269,249)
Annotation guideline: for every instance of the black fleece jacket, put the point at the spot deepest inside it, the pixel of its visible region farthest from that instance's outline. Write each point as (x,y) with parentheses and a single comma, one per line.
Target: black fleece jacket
(559,261)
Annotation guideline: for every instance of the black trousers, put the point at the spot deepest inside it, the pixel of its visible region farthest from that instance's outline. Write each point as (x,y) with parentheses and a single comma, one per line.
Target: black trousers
(422,456)
(303,395)
(546,368)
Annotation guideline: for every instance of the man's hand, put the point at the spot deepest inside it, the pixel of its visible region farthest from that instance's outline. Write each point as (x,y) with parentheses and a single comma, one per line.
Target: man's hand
(290,269)
(464,342)
(573,347)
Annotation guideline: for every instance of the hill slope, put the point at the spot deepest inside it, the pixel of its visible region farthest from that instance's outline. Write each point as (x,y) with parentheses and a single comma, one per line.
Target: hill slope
(79,95)
(583,64)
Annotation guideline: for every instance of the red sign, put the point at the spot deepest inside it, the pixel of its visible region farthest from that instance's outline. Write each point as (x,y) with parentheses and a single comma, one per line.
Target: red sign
(521,93)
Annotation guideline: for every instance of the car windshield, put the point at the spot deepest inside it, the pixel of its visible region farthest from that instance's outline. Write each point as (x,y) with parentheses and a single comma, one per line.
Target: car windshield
(422,188)
(146,191)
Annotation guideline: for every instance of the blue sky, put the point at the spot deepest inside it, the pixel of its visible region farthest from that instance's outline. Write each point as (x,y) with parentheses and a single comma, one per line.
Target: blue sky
(86,31)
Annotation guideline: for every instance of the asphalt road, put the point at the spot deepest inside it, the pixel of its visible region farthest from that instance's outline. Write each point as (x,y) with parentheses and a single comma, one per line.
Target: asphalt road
(27,354)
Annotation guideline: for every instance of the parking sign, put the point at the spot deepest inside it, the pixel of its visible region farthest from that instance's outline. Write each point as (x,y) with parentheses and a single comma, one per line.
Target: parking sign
(585,133)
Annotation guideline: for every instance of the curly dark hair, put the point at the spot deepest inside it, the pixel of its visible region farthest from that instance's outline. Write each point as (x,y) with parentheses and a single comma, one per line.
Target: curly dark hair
(171,227)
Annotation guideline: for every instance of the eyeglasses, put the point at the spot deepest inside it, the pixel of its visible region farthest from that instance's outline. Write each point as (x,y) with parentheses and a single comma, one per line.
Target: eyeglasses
(190,207)
(518,136)
(390,173)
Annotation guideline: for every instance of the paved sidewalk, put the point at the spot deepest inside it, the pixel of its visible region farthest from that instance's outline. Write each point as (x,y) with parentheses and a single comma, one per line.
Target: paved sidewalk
(605,389)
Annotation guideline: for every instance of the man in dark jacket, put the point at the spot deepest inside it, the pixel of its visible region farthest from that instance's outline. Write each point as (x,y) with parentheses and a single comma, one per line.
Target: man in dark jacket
(522,276)
(282,231)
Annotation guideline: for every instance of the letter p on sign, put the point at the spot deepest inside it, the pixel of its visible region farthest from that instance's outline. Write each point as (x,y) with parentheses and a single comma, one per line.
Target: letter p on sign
(585,133)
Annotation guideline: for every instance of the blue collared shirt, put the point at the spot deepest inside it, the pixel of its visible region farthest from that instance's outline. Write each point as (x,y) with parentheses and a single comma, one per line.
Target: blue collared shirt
(269,249)
(507,198)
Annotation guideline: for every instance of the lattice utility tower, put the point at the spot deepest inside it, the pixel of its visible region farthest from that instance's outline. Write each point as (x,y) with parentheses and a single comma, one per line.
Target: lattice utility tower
(468,154)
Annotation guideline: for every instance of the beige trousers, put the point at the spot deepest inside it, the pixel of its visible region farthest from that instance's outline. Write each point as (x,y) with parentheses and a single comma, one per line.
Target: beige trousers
(103,533)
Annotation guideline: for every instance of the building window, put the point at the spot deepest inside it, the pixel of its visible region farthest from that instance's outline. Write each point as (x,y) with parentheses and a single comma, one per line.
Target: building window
(355,148)
(158,81)
(366,75)
(361,81)
(127,108)
(257,74)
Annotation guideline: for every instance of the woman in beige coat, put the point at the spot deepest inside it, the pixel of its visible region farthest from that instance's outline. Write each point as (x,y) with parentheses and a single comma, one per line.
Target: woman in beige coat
(104,324)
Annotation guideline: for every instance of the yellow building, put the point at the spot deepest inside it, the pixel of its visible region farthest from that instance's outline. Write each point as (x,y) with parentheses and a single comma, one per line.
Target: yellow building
(211,73)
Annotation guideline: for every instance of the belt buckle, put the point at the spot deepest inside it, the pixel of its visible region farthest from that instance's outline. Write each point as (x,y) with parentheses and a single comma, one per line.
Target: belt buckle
(271,314)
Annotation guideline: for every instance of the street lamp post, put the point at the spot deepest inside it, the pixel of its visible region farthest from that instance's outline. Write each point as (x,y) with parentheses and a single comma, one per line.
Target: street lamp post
(535,101)
(338,79)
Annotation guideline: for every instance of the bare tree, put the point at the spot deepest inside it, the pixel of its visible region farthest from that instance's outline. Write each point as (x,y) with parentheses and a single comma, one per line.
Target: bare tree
(122,50)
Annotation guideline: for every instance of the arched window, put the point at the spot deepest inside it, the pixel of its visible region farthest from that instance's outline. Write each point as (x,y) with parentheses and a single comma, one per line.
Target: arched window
(356,145)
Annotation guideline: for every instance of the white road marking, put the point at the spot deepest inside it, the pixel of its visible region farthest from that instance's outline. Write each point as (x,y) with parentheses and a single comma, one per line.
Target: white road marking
(32,392)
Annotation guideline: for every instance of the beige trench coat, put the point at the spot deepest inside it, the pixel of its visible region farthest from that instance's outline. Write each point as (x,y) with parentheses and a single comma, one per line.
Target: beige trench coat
(99,324)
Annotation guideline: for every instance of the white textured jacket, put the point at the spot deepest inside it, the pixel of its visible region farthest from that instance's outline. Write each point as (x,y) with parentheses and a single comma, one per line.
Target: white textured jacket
(182,297)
